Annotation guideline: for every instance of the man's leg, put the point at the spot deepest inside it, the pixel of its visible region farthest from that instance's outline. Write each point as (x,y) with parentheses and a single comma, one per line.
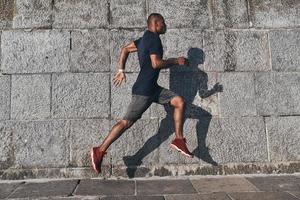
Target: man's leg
(115,132)
(179,105)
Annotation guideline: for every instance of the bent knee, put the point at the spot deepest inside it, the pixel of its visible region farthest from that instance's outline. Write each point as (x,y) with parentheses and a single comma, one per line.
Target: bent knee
(178,102)
(126,122)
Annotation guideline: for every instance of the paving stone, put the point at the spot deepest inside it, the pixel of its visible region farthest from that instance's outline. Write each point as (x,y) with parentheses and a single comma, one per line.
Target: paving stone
(8,188)
(236,51)
(212,196)
(151,187)
(77,95)
(277,93)
(284,138)
(285,50)
(139,142)
(262,196)
(276,183)
(37,51)
(30,96)
(80,14)
(44,189)
(7,13)
(120,38)
(90,50)
(295,193)
(105,187)
(274,14)
(222,140)
(4,97)
(128,13)
(238,96)
(33,14)
(183,14)
(41,143)
(134,198)
(226,184)
(85,134)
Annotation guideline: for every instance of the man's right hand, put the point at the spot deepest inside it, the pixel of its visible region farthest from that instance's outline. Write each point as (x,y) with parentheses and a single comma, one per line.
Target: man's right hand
(119,78)
(182,61)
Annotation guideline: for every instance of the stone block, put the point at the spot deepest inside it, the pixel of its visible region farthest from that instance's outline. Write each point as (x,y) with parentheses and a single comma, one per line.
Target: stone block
(30,96)
(121,97)
(33,14)
(238,96)
(285,50)
(138,145)
(6,145)
(76,95)
(85,134)
(236,51)
(120,38)
(274,14)
(230,14)
(216,140)
(90,50)
(38,51)
(4,97)
(284,138)
(80,14)
(183,14)
(277,93)
(41,143)
(7,13)
(128,13)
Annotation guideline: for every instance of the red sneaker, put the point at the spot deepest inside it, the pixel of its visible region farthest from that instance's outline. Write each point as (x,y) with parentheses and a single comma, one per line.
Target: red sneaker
(97,157)
(180,145)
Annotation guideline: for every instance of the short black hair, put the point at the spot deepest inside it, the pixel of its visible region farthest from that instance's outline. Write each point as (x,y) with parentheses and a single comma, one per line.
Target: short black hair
(154,16)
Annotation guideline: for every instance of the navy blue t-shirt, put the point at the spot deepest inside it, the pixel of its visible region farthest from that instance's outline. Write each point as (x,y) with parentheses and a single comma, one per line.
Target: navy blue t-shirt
(146,83)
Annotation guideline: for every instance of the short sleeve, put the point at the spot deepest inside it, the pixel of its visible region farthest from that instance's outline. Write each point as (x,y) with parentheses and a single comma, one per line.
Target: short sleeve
(136,42)
(155,46)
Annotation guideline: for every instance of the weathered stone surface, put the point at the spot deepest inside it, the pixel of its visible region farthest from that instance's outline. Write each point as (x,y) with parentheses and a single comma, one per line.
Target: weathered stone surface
(187,43)
(183,14)
(105,187)
(219,196)
(262,196)
(133,198)
(44,189)
(277,93)
(285,49)
(138,145)
(179,186)
(230,14)
(4,97)
(276,183)
(80,14)
(8,188)
(226,184)
(35,52)
(121,97)
(284,138)
(6,145)
(275,14)
(85,134)
(238,97)
(33,14)
(41,143)
(120,38)
(30,96)
(90,50)
(7,13)
(128,13)
(236,51)
(77,95)
(216,141)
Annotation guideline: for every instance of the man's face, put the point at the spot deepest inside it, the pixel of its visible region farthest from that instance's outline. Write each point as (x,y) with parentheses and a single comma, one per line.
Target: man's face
(161,26)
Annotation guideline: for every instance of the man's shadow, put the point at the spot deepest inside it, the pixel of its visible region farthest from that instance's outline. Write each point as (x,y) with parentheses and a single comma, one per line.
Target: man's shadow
(186,81)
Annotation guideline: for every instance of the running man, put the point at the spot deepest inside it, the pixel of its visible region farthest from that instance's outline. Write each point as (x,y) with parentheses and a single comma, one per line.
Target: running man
(146,90)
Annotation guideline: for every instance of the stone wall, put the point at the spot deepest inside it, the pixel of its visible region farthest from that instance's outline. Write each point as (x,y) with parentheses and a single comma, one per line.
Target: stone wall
(57,99)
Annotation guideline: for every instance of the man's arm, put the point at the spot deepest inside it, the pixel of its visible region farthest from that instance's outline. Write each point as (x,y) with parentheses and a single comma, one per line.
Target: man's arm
(158,63)
(124,54)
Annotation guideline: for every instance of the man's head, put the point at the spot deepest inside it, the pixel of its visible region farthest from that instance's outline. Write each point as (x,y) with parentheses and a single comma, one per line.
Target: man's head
(156,23)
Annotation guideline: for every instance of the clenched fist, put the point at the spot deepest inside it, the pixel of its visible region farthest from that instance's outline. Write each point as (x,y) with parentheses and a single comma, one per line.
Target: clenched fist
(182,61)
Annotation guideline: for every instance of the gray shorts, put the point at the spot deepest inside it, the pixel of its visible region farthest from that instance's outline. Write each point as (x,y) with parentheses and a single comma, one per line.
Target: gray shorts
(139,103)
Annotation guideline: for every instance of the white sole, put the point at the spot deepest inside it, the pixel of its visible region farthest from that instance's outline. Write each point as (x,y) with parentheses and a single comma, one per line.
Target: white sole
(176,148)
